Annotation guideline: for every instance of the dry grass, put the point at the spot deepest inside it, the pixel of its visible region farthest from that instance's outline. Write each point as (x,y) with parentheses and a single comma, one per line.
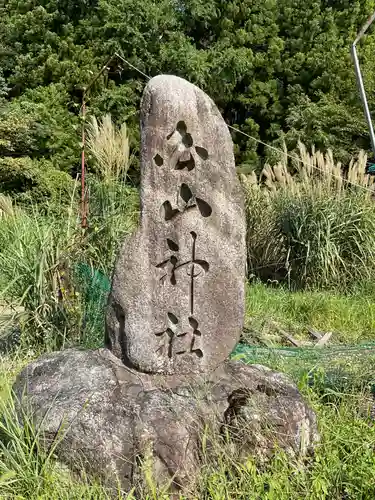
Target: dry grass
(6,206)
(109,147)
(312,171)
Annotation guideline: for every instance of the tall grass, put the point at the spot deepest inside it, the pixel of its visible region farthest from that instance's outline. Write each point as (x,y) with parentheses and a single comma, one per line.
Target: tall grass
(114,212)
(42,248)
(28,471)
(39,254)
(350,317)
(314,228)
(109,148)
(311,229)
(35,255)
(343,466)
(6,206)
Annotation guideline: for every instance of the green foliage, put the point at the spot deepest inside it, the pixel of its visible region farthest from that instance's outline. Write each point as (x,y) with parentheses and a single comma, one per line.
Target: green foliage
(342,465)
(17,127)
(114,210)
(326,124)
(31,181)
(39,146)
(40,125)
(351,317)
(35,255)
(41,43)
(280,70)
(26,470)
(329,242)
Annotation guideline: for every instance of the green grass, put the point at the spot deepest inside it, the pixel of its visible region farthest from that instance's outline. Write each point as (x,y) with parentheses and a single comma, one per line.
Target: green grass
(350,317)
(343,466)
(348,359)
(39,253)
(344,463)
(26,471)
(309,232)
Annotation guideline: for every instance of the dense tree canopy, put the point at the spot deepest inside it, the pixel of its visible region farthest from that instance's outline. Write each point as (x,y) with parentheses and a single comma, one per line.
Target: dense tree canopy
(278,69)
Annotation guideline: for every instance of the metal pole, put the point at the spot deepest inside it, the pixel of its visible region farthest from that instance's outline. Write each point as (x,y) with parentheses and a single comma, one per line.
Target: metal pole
(361,86)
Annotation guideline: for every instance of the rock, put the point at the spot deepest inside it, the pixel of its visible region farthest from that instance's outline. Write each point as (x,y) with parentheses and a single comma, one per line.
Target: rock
(177,299)
(108,417)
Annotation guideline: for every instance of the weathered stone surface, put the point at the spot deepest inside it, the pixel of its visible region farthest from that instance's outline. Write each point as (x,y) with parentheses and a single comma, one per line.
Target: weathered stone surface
(177,298)
(111,415)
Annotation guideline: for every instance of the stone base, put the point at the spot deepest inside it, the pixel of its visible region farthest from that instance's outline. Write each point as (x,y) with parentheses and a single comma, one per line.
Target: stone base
(108,416)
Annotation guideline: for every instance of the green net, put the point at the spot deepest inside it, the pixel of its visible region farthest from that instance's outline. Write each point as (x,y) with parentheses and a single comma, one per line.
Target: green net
(94,287)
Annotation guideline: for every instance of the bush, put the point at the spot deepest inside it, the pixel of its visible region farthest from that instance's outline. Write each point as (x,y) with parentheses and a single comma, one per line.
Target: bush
(31,181)
(329,240)
(315,228)
(41,250)
(113,213)
(39,125)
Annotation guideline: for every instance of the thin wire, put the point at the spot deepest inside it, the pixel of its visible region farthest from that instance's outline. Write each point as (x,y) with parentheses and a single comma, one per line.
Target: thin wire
(132,66)
(342,179)
(299,159)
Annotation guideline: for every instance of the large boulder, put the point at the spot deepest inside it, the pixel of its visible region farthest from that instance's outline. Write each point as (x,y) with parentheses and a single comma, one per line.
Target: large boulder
(108,418)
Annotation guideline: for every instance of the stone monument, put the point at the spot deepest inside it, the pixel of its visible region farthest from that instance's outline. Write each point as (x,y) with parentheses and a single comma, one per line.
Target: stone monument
(177,300)
(175,312)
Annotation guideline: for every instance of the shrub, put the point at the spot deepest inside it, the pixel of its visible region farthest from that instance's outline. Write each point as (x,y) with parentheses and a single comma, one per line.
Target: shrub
(329,240)
(45,257)
(313,228)
(40,251)
(39,125)
(31,181)
(35,256)
(113,213)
